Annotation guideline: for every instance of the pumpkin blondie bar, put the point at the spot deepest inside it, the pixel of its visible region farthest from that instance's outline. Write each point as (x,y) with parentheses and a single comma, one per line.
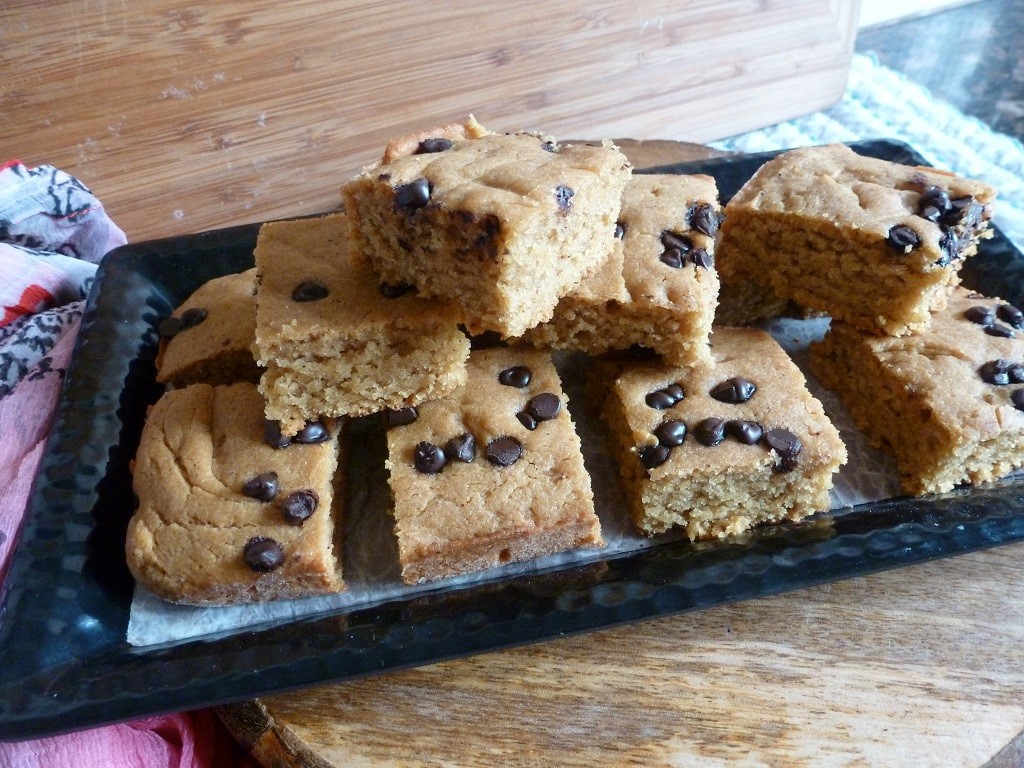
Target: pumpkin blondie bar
(503,224)
(490,474)
(659,289)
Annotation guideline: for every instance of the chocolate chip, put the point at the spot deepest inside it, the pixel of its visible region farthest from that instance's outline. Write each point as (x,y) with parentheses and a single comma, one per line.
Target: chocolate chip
(652,456)
(673,257)
(504,451)
(263,554)
(787,445)
(681,243)
(190,318)
(548,145)
(620,230)
(710,431)
(1017,398)
(272,434)
(665,397)
(262,487)
(671,433)
(747,432)
(527,420)
(965,212)
(660,400)
(995,372)
(169,327)
(461,448)
(903,239)
(1000,330)
(311,290)
(933,204)
(951,244)
(516,376)
(432,145)
(980,314)
(1010,315)
(428,458)
(704,218)
(702,258)
(563,196)
(298,506)
(313,432)
(399,417)
(412,196)
(677,249)
(734,390)
(544,407)
(394,290)
(1001,372)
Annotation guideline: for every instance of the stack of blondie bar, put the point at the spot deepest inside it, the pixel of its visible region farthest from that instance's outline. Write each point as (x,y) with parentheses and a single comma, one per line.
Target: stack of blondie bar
(926,368)
(432,305)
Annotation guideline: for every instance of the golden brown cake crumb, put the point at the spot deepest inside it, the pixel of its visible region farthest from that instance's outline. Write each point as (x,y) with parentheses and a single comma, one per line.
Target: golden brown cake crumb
(224,517)
(492,473)
(875,244)
(503,224)
(948,404)
(431,139)
(335,340)
(660,287)
(209,337)
(717,449)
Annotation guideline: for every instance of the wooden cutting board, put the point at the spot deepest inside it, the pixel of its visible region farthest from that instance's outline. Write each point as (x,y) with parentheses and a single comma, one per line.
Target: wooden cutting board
(917,667)
(184,117)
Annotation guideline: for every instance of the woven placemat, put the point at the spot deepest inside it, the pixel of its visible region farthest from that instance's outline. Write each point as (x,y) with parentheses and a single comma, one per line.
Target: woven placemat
(882,104)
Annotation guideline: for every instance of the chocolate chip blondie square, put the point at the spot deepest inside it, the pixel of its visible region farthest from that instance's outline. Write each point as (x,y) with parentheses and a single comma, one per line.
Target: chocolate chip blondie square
(717,449)
(491,474)
(659,289)
(875,244)
(503,224)
(223,516)
(948,404)
(334,340)
(209,337)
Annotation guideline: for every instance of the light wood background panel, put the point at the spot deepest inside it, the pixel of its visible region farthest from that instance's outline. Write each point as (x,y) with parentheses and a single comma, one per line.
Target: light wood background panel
(190,116)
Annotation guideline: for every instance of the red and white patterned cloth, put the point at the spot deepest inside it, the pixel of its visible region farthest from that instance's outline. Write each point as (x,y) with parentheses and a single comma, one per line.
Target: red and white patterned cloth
(53,233)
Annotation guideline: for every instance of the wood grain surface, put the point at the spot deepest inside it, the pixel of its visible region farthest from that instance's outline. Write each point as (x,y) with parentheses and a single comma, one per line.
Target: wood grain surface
(184,117)
(916,667)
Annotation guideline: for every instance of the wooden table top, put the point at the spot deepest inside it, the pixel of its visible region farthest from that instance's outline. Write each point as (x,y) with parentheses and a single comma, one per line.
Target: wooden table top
(916,667)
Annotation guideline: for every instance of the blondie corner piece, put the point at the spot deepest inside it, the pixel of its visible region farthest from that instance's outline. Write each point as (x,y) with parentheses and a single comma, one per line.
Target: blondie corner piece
(224,517)
(336,341)
(660,287)
(503,224)
(208,339)
(948,404)
(491,474)
(873,243)
(717,449)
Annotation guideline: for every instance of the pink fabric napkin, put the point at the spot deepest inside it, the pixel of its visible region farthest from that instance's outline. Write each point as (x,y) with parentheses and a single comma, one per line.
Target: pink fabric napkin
(187,740)
(53,233)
